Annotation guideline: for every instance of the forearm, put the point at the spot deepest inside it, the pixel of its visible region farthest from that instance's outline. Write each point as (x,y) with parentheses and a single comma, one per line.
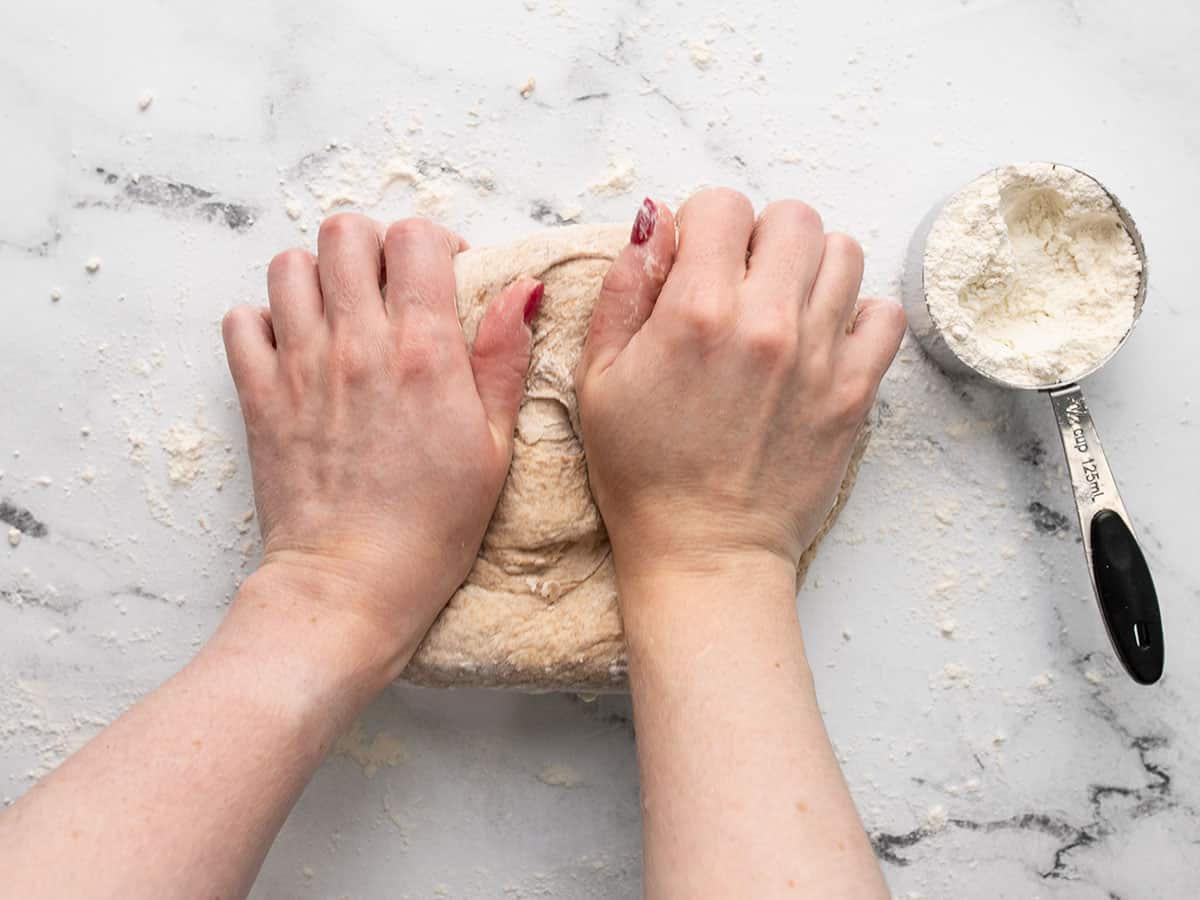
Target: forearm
(182,796)
(742,795)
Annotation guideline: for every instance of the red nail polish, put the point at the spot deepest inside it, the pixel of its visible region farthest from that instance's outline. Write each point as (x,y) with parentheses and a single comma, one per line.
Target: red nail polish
(643,225)
(534,303)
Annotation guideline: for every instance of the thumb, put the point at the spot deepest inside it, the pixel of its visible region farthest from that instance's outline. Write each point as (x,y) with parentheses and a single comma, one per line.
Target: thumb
(500,357)
(631,286)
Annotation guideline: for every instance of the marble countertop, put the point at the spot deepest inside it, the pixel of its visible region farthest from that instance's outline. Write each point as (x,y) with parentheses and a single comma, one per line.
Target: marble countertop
(992,743)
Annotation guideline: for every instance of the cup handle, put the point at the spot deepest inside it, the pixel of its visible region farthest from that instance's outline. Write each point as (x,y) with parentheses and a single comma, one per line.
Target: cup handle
(1120,577)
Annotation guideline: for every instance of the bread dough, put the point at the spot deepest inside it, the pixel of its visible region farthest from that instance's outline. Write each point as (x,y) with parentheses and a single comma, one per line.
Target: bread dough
(538,610)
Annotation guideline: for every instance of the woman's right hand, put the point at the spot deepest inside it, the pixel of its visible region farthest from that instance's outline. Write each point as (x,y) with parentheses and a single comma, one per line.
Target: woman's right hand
(724,381)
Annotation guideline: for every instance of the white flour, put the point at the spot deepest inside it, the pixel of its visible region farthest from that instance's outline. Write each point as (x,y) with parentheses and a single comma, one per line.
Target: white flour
(1031,275)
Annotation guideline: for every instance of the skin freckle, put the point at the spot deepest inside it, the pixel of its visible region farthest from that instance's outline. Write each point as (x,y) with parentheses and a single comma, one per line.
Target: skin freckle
(801,806)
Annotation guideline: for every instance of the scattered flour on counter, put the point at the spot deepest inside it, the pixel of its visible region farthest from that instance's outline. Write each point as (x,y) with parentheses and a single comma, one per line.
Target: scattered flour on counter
(937,817)
(14,536)
(557,775)
(1041,682)
(701,53)
(145,100)
(956,674)
(55,294)
(617,180)
(526,90)
(1031,275)
(384,749)
(92,266)
(187,450)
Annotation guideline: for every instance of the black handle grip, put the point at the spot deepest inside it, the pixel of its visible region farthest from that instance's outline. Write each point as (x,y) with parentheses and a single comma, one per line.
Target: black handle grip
(1127,597)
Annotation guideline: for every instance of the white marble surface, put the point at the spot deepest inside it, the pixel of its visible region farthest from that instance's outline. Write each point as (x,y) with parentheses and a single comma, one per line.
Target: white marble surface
(1007,758)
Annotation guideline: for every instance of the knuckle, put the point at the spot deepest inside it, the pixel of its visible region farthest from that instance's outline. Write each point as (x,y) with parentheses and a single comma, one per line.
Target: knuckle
(416,359)
(290,260)
(731,200)
(704,320)
(794,215)
(772,341)
(843,247)
(233,320)
(343,225)
(409,230)
(352,358)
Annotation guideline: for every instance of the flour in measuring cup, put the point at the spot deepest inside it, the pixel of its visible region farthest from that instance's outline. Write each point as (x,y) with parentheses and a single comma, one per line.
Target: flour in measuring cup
(1031,275)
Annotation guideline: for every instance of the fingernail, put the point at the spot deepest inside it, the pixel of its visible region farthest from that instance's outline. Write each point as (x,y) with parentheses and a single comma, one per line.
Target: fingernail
(534,303)
(643,225)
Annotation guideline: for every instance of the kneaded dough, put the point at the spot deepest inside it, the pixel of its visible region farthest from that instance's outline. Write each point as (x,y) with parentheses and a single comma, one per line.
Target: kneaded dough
(538,610)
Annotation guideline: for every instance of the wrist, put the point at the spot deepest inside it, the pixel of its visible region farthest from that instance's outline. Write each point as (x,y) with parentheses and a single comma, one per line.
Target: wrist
(322,625)
(663,595)
(664,574)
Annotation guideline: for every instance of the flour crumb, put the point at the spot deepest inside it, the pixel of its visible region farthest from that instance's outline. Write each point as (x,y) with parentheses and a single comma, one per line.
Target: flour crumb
(87,474)
(956,674)
(936,817)
(701,54)
(946,512)
(137,448)
(308,873)
(384,749)
(14,536)
(1093,676)
(557,775)
(1041,682)
(43,481)
(947,627)
(293,210)
(616,181)
(145,100)
(526,90)
(55,295)
(92,266)
(187,447)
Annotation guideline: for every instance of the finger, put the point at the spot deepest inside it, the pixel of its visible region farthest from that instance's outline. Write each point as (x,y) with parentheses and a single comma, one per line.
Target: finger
(876,331)
(249,346)
(294,292)
(349,264)
(631,286)
(786,247)
(500,357)
(420,270)
(835,291)
(714,233)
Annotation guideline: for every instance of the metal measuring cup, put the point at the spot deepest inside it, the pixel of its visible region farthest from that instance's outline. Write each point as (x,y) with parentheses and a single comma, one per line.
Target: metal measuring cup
(1120,577)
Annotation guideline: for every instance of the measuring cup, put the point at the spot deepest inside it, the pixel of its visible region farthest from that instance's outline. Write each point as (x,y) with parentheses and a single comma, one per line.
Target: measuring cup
(1120,577)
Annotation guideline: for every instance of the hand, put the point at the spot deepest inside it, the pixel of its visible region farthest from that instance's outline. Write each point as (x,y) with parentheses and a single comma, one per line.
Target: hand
(724,382)
(378,445)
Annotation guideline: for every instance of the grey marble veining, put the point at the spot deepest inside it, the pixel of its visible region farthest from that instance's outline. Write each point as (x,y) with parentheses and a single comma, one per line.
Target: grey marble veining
(992,743)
